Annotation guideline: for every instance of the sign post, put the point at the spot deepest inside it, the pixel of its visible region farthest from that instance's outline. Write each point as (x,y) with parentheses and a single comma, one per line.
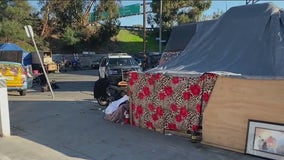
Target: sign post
(30,34)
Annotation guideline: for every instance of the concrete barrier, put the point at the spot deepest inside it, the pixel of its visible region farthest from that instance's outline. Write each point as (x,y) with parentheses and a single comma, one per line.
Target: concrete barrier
(4,110)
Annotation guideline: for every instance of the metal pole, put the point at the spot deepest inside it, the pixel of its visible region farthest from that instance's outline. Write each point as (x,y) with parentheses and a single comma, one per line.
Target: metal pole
(43,68)
(160,31)
(144,33)
(29,32)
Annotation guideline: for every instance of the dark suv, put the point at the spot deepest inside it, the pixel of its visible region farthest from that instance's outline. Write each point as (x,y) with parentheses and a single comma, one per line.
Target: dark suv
(115,66)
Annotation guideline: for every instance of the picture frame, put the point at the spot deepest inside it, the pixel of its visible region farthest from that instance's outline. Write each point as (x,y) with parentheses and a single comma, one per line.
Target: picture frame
(265,139)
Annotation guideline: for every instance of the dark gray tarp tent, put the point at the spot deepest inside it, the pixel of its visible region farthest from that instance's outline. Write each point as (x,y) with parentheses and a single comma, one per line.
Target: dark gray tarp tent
(246,41)
(12,52)
(180,36)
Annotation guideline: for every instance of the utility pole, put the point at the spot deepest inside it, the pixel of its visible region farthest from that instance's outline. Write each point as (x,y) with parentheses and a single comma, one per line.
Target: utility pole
(160,31)
(144,34)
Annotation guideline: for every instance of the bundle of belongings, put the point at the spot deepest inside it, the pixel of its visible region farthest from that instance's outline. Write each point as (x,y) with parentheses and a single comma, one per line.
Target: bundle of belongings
(117,111)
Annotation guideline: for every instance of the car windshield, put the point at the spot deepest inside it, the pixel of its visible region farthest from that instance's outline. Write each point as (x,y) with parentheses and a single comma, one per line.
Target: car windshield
(122,62)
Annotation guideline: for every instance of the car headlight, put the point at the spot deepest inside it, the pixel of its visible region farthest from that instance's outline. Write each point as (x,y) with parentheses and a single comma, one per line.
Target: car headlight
(110,72)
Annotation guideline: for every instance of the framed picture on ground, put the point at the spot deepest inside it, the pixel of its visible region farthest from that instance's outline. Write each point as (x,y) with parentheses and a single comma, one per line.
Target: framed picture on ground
(265,139)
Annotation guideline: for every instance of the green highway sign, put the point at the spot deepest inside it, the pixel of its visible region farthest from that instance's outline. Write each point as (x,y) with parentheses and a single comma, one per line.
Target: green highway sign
(130,10)
(125,11)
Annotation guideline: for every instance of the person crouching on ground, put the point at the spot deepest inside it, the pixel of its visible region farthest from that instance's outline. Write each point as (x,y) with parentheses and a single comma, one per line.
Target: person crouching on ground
(115,110)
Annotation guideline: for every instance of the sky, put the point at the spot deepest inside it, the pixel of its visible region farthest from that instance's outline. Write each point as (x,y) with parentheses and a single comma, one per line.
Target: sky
(221,5)
(217,5)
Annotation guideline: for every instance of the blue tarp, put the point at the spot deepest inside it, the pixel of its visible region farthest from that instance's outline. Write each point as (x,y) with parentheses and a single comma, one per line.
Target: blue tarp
(26,57)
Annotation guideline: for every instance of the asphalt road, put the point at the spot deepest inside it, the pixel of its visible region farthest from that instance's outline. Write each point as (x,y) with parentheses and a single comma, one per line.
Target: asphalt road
(71,126)
(75,85)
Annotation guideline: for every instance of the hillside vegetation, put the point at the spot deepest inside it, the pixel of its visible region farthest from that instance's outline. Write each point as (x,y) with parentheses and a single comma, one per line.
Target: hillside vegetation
(132,41)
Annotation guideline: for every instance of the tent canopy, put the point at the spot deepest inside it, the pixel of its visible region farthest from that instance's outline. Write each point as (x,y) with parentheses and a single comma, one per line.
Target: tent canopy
(180,37)
(11,48)
(246,41)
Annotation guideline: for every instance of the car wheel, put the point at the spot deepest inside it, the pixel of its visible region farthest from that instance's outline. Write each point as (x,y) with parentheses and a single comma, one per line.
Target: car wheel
(22,93)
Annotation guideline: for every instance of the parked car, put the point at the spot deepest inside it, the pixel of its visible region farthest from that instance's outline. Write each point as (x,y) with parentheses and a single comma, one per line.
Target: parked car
(15,75)
(152,59)
(114,66)
(113,76)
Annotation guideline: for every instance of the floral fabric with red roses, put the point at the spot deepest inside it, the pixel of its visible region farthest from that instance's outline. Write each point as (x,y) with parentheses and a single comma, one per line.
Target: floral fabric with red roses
(161,102)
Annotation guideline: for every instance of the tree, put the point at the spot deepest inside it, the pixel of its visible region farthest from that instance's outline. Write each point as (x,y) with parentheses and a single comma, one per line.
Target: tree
(107,15)
(17,10)
(86,15)
(215,15)
(57,15)
(3,6)
(14,15)
(171,16)
(68,19)
(63,23)
(70,37)
(12,31)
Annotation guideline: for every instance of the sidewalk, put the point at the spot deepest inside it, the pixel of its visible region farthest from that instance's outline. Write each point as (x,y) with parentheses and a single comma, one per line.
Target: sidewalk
(17,148)
(51,130)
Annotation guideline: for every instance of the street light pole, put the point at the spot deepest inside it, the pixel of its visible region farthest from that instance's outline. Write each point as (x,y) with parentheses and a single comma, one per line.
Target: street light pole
(160,31)
(144,33)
